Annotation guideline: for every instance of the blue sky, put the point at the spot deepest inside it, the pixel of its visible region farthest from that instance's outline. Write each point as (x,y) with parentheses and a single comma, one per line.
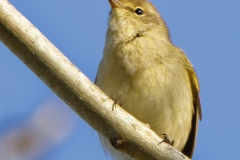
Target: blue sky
(208,32)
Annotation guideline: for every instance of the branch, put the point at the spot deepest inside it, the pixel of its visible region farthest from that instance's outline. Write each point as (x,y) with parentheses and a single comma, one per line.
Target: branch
(88,101)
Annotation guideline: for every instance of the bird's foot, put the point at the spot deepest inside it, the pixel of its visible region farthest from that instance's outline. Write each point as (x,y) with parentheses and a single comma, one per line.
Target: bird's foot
(117,142)
(115,102)
(166,139)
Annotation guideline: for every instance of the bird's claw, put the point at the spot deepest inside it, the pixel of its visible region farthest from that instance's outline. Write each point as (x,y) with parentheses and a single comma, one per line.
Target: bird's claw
(166,139)
(115,102)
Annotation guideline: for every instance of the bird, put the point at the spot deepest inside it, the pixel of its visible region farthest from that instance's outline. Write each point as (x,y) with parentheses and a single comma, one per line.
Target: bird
(151,77)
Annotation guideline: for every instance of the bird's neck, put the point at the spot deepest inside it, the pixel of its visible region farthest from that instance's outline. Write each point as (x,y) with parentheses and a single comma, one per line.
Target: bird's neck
(138,51)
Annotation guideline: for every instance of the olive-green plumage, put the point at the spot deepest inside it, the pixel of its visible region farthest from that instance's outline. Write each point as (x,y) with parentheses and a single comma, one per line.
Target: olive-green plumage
(153,79)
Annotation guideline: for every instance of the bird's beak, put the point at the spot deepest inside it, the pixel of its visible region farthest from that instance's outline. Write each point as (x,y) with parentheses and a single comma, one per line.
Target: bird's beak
(114,3)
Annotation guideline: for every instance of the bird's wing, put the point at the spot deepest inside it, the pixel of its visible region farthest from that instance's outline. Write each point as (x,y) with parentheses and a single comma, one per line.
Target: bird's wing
(190,144)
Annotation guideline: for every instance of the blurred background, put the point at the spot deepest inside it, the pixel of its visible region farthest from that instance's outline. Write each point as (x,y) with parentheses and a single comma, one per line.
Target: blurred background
(35,124)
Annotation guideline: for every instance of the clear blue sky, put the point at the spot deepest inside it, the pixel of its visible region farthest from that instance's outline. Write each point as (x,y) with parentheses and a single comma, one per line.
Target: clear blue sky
(208,31)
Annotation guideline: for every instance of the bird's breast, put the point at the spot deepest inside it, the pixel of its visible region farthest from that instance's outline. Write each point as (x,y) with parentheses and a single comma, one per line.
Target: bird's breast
(159,96)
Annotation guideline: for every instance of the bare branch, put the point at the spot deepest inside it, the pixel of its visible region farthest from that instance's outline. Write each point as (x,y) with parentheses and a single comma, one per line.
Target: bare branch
(49,64)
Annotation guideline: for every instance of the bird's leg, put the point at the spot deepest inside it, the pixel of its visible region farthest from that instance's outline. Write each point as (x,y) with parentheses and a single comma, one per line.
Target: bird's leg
(115,102)
(117,142)
(166,139)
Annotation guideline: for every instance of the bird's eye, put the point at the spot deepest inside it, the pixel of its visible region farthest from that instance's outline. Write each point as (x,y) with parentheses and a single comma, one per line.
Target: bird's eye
(139,11)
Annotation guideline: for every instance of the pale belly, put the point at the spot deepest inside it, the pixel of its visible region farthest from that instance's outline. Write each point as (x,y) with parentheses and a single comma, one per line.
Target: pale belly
(163,102)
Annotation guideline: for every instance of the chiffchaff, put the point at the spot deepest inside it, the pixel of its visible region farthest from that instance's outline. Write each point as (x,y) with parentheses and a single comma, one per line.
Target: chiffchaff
(152,78)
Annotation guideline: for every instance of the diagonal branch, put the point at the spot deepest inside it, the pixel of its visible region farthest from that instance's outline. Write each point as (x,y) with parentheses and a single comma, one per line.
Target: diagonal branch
(88,101)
